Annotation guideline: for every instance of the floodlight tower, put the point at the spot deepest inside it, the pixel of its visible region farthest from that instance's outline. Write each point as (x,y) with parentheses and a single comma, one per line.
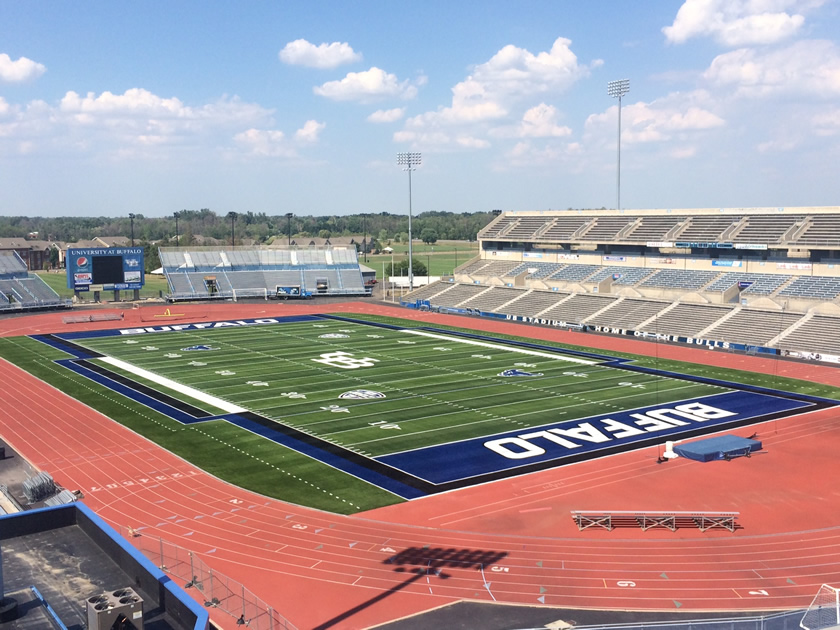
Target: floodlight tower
(131,216)
(289,216)
(409,162)
(617,89)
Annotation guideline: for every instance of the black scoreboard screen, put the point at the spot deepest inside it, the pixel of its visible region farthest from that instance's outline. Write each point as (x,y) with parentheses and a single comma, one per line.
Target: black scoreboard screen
(107,269)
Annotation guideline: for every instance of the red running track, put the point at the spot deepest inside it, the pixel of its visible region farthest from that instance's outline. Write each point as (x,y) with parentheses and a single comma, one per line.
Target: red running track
(314,567)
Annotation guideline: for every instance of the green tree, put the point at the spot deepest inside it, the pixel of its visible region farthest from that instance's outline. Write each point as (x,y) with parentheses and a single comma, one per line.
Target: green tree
(401,268)
(429,236)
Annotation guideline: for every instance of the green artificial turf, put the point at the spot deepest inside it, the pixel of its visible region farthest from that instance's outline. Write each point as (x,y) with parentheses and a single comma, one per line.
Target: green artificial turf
(435,390)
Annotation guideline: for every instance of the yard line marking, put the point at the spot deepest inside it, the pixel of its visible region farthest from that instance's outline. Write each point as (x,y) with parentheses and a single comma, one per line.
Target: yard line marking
(483,344)
(186,390)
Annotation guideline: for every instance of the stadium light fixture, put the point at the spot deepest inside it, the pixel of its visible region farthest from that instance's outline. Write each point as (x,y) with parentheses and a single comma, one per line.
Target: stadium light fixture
(289,216)
(131,216)
(409,162)
(177,237)
(617,89)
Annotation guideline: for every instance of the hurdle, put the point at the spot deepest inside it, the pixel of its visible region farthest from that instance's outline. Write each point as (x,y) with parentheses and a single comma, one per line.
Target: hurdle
(610,519)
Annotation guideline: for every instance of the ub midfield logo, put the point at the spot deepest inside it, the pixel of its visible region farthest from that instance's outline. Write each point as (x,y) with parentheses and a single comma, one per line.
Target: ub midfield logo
(198,347)
(359,394)
(517,372)
(345,360)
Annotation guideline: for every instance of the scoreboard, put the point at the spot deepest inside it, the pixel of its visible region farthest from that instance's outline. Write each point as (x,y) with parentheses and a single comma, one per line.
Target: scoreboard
(112,268)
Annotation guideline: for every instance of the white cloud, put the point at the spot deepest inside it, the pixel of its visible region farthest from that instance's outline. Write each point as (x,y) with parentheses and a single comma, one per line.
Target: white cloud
(487,100)
(21,70)
(684,152)
(309,132)
(827,123)
(302,53)
(265,143)
(136,123)
(660,120)
(777,146)
(537,122)
(809,66)
(367,86)
(470,142)
(387,115)
(510,75)
(738,22)
(424,139)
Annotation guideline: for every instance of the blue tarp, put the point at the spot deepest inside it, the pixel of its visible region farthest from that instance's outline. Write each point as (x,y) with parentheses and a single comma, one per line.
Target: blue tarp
(721,447)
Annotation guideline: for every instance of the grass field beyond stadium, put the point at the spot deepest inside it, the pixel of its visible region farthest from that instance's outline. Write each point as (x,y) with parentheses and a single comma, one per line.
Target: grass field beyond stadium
(351,414)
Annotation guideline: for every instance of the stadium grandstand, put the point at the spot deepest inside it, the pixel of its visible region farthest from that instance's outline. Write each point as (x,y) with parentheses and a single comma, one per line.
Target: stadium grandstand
(250,272)
(761,280)
(21,290)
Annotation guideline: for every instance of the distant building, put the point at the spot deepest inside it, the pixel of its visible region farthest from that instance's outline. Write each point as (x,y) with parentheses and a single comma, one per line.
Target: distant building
(33,253)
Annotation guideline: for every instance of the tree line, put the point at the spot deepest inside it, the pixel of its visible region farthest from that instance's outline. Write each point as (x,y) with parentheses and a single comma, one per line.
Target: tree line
(257,227)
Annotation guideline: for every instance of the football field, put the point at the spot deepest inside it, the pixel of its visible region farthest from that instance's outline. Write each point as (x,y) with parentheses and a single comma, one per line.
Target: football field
(401,410)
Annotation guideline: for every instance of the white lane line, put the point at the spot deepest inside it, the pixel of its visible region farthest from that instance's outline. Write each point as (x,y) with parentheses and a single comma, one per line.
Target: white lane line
(484,344)
(186,390)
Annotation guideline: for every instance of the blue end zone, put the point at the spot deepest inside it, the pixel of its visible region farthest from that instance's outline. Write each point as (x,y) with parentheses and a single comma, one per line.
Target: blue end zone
(458,461)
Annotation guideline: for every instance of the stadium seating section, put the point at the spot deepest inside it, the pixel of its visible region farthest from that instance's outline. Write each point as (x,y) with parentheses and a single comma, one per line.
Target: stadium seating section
(796,229)
(239,272)
(20,290)
(755,277)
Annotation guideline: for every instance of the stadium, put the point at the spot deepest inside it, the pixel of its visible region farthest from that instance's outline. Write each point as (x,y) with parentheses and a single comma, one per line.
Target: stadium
(606,417)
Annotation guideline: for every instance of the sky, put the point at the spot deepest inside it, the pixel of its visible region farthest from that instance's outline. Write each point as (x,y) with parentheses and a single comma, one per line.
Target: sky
(284,106)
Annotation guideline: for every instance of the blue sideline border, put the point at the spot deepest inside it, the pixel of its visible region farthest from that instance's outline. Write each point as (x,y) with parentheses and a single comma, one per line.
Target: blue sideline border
(415,463)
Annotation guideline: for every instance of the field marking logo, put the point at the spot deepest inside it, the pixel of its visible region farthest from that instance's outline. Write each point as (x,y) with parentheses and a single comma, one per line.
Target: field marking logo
(517,372)
(333,336)
(345,360)
(336,409)
(172,355)
(198,347)
(359,394)
(293,395)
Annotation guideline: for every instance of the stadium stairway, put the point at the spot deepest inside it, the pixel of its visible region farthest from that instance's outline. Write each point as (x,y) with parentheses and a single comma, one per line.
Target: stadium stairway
(650,320)
(612,304)
(556,304)
(774,342)
(729,315)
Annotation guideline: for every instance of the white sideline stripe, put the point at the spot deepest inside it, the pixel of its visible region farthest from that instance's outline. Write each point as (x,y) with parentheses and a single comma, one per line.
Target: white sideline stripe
(472,342)
(186,390)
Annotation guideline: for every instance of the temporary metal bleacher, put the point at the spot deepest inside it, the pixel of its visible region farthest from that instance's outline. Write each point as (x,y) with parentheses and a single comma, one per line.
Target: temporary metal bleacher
(238,272)
(21,290)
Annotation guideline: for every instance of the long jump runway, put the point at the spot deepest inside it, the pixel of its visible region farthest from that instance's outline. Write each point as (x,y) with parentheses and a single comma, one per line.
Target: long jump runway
(476,544)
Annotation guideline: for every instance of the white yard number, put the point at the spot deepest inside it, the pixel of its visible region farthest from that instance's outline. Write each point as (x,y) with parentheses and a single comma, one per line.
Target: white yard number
(345,360)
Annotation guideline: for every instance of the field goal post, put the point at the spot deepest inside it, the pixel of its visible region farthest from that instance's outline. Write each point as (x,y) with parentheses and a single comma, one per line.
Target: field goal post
(824,611)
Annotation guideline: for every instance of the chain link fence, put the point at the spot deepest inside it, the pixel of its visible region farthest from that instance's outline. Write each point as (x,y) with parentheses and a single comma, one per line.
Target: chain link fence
(780,621)
(213,589)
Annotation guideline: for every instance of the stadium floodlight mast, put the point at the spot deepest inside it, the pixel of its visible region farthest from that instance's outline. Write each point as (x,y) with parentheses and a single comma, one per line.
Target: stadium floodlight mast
(617,89)
(289,216)
(131,216)
(177,237)
(409,162)
(232,216)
